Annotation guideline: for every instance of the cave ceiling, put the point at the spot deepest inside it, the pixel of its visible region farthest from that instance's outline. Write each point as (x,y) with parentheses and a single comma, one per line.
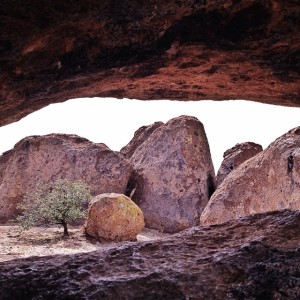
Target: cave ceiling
(52,51)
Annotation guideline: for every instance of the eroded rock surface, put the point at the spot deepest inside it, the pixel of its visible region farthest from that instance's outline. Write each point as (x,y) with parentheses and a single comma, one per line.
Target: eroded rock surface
(159,49)
(173,175)
(3,161)
(268,181)
(114,217)
(140,136)
(47,158)
(235,156)
(254,258)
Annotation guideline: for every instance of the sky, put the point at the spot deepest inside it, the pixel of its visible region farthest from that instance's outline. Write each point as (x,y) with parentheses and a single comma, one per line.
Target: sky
(113,121)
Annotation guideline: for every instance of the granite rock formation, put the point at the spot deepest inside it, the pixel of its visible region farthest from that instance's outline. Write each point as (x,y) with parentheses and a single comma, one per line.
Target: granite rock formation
(140,136)
(235,156)
(114,217)
(55,50)
(3,161)
(52,51)
(254,258)
(267,182)
(47,158)
(173,175)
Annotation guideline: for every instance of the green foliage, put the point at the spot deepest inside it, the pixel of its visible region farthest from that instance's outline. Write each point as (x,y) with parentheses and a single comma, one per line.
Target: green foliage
(58,203)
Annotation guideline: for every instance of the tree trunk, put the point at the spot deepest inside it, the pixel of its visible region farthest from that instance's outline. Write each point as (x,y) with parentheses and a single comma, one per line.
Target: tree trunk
(65,225)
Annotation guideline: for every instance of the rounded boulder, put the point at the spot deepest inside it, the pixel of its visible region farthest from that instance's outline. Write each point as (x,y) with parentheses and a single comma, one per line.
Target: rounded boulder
(114,217)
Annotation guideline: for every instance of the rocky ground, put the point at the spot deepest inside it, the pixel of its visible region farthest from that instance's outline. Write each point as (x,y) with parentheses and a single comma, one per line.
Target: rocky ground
(44,241)
(257,257)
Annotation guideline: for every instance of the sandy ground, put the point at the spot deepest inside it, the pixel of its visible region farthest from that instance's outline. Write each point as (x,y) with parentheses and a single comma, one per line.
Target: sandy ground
(40,241)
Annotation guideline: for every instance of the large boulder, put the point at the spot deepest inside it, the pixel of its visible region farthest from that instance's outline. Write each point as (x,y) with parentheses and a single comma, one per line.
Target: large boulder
(267,182)
(235,156)
(173,175)
(39,159)
(140,136)
(4,158)
(114,217)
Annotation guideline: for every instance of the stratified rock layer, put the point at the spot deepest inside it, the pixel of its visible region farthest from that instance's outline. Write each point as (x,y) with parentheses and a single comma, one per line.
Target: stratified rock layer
(55,50)
(235,156)
(173,175)
(39,159)
(269,181)
(114,217)
(254,258)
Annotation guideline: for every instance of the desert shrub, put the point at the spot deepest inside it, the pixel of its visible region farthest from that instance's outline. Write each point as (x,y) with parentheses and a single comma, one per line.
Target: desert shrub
(58,203)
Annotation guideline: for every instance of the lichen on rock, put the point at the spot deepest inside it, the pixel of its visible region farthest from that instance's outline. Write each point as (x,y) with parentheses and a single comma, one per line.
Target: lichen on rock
(114,217)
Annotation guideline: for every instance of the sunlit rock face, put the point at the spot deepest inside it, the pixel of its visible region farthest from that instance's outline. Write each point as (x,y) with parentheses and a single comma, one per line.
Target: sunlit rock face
(113,217)
(55,50)
(173,175)
(140,136)
(267,182)
(43,159)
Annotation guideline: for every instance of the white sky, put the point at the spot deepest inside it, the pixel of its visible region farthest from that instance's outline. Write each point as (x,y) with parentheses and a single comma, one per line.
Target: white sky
(114,122)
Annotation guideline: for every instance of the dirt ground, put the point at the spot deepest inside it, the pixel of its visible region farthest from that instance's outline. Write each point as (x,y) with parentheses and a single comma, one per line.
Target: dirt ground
(41,241)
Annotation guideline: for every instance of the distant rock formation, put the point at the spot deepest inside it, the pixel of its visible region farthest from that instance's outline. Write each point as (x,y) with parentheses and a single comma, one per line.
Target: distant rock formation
(140,136)
(114,217)
(269,181)
(46,158)
(173,175)
(235,156)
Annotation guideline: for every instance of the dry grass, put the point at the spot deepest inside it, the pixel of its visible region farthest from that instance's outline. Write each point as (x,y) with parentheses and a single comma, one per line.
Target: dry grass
(41,241)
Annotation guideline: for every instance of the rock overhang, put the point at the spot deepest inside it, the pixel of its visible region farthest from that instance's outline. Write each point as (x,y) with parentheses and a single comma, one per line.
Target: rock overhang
(178,50)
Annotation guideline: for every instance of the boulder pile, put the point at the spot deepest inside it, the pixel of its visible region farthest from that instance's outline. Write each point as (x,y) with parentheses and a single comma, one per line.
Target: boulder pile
(166,173)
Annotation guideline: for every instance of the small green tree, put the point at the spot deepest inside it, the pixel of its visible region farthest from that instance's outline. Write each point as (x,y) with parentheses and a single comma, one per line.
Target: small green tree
(58,203)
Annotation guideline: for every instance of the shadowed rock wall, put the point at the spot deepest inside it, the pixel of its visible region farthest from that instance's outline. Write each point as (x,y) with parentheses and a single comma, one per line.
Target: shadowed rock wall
(254,258)
(51,51)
